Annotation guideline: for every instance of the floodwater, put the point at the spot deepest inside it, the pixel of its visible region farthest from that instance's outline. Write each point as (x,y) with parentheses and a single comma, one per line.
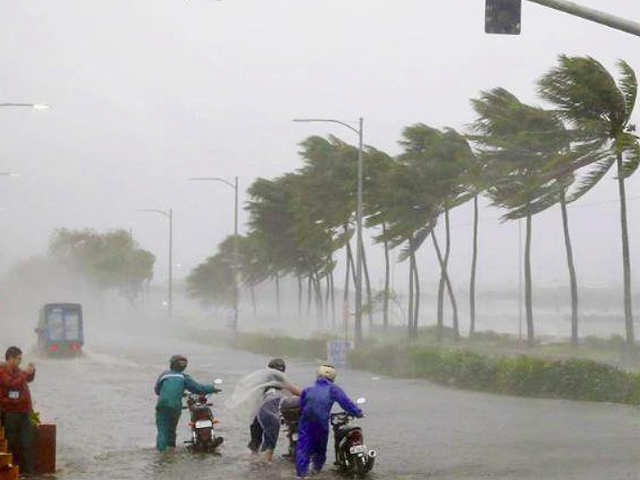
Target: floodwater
(103,404)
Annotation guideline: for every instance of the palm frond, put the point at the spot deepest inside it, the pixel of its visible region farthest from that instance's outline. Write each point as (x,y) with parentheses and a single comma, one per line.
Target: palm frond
(630,149)
(598,170)
(628,84)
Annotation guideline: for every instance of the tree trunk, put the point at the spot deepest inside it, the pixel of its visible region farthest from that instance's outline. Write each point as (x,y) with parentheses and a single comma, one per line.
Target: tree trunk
(278,292)
(572,271)
(416,282)
(474,262)
(626,261)
(443,269)
(327,295)
(447,281)
(309,289)
(253,299)
(317,286)
(351,262)
(410,306)
(367,281)
(452,298)
(528,295)
(333,300)
(345,299)
(299,296)
(387,276)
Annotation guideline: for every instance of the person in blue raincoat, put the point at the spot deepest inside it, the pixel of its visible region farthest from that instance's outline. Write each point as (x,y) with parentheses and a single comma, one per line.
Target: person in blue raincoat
(315,409)
(170,387)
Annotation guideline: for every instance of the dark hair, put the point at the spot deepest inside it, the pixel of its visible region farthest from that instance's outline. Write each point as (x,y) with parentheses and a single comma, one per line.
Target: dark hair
(178,362)
(12,352)
(277,364)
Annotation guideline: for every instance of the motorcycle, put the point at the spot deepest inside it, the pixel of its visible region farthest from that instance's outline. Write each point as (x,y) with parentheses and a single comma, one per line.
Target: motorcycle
(289,417)
(202,420)
(352,456)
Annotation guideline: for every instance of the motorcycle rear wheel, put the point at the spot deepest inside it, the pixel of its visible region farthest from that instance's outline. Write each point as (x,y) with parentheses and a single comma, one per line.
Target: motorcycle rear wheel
(362,466)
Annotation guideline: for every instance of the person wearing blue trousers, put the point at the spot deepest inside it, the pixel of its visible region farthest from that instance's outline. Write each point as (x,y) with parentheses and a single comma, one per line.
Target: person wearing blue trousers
(315,410)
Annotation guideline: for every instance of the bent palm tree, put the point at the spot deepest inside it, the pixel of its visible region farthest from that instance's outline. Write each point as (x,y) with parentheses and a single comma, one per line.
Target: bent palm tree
(599,109)
(519,143)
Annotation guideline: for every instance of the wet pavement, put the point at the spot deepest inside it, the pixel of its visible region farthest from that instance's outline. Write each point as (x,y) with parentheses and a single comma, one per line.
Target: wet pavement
(103,404)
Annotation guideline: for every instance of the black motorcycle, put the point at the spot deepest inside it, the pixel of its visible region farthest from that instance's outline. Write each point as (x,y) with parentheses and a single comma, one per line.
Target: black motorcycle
(202,421)
(289,417)
(352,455)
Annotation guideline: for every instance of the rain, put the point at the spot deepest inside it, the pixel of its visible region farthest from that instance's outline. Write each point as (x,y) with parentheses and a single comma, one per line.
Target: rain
(433,200)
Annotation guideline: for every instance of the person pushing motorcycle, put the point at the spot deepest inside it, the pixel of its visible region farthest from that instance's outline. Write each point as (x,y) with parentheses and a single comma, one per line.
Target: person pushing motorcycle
(170,388)
(315,410)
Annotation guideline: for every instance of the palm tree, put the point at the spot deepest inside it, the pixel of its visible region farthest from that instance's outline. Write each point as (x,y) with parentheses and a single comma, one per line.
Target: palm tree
(407,210)
(443,157)
(378,165)
(599,109)
(518,145)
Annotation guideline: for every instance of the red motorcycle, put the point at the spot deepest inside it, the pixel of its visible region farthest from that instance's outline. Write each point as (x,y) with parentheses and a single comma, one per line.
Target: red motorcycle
(352,455)
(202,421)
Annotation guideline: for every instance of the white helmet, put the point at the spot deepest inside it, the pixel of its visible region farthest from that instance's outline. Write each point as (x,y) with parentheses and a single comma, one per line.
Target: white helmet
(327,371)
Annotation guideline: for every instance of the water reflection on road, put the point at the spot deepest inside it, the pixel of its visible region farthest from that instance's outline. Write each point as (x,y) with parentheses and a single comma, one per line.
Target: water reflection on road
(103,404)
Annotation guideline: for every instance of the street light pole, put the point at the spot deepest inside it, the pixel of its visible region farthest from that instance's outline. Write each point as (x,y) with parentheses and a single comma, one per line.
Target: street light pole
(236,253)
(359,131)
(169,215)
(592,14)
(35,106)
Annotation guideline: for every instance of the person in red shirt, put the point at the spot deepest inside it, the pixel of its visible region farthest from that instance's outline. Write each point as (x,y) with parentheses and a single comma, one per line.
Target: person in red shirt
(15,405)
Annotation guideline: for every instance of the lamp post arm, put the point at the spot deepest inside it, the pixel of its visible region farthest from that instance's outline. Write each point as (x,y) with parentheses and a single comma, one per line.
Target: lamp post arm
(153,210)
(327,120)
(214,179)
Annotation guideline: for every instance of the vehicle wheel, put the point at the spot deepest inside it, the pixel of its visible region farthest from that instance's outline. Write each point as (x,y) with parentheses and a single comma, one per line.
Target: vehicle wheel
(346,463)
(361,466)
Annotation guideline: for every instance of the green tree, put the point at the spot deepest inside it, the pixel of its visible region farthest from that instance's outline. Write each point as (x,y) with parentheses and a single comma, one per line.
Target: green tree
(109,260)
(519,144)
(599,111)
(442,157)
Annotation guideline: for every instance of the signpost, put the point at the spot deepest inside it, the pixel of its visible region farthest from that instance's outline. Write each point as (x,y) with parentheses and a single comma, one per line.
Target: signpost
(337,351)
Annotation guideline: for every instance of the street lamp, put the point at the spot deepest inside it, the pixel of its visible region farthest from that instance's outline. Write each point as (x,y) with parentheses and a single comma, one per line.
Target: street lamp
(359,132)
(236,256)
(169,215)
(35,106)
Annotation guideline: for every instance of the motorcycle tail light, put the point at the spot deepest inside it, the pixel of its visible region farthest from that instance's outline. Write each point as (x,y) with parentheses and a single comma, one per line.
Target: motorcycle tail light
(355,436)
(75,347)
(53,347)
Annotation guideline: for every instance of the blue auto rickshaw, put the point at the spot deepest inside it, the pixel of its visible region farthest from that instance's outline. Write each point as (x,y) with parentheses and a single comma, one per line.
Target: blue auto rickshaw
(60,329)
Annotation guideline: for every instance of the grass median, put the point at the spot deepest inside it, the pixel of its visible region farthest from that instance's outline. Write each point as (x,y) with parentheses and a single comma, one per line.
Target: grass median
(461,367)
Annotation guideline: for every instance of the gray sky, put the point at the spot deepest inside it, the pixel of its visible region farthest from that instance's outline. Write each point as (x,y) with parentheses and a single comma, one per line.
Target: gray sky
(147,93)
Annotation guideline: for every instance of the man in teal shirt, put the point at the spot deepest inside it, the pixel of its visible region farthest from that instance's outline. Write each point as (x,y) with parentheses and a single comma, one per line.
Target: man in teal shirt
(170,387)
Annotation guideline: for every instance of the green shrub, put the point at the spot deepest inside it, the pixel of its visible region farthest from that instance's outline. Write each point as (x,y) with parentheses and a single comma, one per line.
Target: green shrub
(575,379)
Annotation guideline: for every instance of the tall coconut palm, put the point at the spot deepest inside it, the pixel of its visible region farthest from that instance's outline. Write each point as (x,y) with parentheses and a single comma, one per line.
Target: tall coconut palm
(599,109)
(519,144)
(442,157)
(378,164)
(407,210)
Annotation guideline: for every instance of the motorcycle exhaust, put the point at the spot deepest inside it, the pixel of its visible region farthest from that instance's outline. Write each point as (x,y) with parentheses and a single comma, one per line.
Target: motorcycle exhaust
(372,454)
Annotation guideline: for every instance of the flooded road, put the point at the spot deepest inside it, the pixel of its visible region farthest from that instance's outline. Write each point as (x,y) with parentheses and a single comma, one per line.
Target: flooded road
(103,404)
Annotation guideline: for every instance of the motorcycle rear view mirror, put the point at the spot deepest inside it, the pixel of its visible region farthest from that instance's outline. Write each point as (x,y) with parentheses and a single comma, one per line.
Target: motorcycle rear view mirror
(217,381)
(361,401)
